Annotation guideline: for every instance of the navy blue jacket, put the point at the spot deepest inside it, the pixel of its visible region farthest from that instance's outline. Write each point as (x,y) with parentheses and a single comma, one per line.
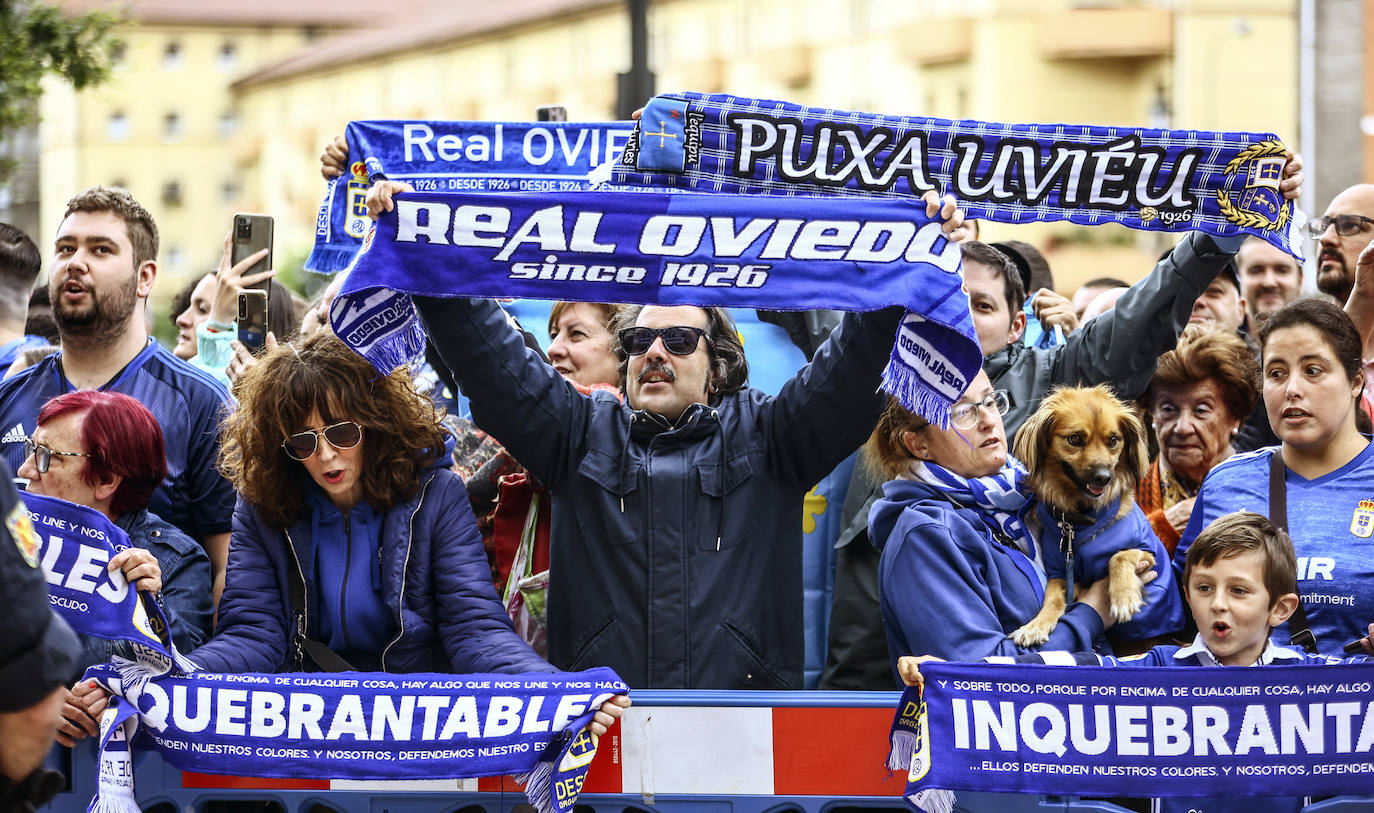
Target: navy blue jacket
(675,553)
(434,576)
(950,589)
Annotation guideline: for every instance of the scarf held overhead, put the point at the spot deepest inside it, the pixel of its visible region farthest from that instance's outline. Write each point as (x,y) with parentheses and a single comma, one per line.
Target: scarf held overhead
(451,156)
(362,726)
(1158,180)
(678,249)
(1275,731)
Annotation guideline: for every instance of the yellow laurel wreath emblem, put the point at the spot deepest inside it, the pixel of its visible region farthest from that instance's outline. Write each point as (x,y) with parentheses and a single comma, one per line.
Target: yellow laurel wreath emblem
(1262,149)
(1248,220)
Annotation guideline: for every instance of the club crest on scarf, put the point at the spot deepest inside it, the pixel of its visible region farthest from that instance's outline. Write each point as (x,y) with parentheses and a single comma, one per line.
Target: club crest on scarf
(1159,180)
(1260,204)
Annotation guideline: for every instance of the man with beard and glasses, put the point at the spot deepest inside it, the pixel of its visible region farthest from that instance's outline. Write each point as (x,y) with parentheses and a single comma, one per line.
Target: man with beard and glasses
(103,269)
(1341,233)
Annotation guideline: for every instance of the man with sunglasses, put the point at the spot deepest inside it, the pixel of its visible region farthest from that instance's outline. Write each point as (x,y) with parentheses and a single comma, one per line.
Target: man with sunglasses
(675,555)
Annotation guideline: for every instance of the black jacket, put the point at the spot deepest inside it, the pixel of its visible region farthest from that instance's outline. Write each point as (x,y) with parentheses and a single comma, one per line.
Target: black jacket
(675,555)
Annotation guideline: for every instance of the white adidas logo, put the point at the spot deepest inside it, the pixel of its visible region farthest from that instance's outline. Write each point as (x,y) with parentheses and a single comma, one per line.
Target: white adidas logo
(16,434)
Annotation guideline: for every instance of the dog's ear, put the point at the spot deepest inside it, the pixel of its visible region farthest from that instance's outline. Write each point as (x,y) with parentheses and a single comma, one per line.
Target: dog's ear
(1135,456)
(1033,438)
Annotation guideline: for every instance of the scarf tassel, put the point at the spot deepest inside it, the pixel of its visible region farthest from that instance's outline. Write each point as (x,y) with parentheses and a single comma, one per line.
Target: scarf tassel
(904,383)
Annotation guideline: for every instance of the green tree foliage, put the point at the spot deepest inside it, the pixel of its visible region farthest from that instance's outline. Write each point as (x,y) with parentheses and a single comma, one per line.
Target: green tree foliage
(37,39)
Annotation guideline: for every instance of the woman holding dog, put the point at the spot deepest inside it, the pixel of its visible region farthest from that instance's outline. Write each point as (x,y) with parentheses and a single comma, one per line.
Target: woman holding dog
(1312,381)
(960,571)
(1199,397)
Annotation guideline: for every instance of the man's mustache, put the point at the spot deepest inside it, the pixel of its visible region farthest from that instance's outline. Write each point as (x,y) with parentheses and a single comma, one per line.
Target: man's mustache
(656,367)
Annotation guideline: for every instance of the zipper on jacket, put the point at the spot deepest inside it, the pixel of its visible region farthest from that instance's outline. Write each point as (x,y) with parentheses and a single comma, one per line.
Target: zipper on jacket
(405,568)
(343,587)
(302,614)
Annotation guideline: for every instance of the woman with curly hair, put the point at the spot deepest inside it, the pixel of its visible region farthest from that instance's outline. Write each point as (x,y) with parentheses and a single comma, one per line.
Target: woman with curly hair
(350,547)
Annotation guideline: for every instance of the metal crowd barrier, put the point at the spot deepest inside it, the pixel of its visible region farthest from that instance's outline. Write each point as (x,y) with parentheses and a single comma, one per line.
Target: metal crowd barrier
(674,752)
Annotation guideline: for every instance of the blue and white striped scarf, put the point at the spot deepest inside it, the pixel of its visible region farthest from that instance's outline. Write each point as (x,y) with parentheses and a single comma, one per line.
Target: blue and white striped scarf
(1158,180)
(1001,496)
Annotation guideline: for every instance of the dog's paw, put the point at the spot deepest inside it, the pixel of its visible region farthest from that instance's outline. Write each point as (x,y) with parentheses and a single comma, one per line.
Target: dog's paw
(1031,634)
(1127,598)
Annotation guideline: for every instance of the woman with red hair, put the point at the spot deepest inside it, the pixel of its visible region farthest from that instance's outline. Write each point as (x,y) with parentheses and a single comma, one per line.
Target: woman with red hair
(104,450)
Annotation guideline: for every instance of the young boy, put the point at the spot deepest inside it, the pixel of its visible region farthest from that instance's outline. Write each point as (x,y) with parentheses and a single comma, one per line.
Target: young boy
(1240,579)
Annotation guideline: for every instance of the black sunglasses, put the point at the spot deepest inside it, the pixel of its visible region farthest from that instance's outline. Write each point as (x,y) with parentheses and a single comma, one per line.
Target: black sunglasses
(42,455)
(680,340)
(342,435)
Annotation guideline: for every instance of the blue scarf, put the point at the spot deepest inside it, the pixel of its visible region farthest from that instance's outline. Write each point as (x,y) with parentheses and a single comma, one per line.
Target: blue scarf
(1277,731)
(1158,180)
(1000,496)
(451,156)
(678,249)
(74,544)
(356,725)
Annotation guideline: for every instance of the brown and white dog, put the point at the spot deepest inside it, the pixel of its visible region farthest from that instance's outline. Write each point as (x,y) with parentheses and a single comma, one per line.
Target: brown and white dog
(1084,449)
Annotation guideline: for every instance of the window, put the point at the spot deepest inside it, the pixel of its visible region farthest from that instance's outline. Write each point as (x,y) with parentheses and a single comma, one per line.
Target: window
(229,191)
(172,126)
(119,183)
(173,58)
(119,54)
(228,123)
(171,193)
(228,56)
(117,126)
(176,258)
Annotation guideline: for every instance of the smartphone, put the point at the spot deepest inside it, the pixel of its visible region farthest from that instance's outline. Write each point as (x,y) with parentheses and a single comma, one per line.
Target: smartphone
(253,319)
(252,233)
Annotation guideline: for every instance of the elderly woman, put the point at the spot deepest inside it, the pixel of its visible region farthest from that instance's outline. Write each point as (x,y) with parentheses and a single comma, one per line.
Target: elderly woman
(960,571)
(1200,395)
(104,450)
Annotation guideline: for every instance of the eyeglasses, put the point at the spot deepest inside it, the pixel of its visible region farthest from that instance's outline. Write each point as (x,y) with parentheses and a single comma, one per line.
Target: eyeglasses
(342,435)
(680,341)
(1346,225)
(42,455)
(965,415)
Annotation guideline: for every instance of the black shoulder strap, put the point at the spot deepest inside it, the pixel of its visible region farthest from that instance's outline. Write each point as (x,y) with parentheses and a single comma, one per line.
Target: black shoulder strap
(324,657)
(1301,631)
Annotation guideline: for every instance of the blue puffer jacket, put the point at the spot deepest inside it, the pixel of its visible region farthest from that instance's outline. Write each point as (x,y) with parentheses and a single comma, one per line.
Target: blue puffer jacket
(434,575)
(675,553)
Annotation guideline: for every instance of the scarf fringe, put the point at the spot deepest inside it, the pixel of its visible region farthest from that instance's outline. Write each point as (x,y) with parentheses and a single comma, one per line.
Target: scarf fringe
(330,259)
(904,383)
(933,800)
(113,803)
(538,784)
(398,350)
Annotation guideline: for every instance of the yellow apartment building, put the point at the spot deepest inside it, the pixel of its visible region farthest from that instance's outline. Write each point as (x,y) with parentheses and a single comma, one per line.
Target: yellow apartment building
(199,135)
